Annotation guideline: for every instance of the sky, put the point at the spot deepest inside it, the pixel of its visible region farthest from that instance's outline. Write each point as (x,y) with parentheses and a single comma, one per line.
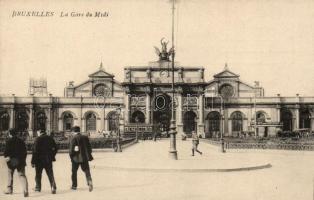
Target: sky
(261,40)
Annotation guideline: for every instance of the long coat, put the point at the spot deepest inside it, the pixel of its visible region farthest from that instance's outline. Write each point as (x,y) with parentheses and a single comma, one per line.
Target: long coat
(44,150)
(84,153)
(16,148)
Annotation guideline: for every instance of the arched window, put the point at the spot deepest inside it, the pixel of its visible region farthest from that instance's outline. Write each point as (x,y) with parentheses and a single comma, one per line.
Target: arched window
(286,119)
(138,117)
(189,122)
(91,122)
(305,119)
(113,121)
(213,121)
(4,121)
(21,120)
(237,121)
(40,121)
(67,121)
(260,118)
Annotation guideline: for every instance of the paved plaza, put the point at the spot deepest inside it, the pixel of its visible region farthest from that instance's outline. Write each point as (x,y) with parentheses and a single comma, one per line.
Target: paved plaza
(144,171)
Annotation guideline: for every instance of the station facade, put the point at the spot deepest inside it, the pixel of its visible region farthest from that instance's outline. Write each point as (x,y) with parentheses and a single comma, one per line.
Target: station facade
(143,100)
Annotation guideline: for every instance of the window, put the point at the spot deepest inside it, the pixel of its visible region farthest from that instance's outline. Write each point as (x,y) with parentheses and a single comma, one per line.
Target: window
(67,122)
(91,122)
(101,90)
(213,121)
(4,121)
(226,91)
(237,121)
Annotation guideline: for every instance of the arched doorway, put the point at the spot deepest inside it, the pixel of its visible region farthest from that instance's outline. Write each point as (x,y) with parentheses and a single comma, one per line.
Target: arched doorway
(21,121)
(286,119)
(90,122)
(236,123)
(138,117)
(113,122)
(261,119)
(40,121)
(67,121)
(305,119)
(162,111)
(4,121)
(213,123)
(189,122)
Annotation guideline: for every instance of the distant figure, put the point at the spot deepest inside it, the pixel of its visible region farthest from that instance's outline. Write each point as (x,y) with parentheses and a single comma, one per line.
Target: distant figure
(195,142)
(15,155)
(44,153)
(80,153)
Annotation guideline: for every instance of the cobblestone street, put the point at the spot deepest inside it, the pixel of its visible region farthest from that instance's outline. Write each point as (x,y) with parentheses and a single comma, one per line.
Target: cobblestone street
(144,171)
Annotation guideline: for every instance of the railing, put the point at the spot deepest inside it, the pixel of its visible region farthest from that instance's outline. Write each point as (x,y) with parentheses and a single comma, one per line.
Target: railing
(299,147)
(96,143)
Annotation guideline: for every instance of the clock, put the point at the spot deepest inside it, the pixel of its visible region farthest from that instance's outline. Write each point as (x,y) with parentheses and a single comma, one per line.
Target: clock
(164,73)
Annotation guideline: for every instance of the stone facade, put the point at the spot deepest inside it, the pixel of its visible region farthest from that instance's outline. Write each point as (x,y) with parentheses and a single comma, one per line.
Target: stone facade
(225,104)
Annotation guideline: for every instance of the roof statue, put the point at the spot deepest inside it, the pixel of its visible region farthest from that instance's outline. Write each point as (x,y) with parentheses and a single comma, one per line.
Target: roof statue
(163,54)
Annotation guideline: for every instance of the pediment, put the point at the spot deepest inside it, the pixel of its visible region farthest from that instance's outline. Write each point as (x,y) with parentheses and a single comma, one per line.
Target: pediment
(101,74)
(226,74)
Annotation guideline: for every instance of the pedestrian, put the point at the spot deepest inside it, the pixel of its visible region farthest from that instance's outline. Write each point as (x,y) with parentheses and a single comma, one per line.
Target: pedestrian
(15,155)
(195,142)
(80,153)
(44,153)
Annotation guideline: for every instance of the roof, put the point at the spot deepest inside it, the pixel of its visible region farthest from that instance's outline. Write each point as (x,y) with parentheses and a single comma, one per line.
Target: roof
(226,73)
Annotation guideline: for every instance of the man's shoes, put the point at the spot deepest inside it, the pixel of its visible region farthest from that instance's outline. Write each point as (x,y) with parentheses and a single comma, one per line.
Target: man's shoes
(90,186)
(8,192)
(25,194)
(192,155)
(73,188)
(53,191)
(37,189)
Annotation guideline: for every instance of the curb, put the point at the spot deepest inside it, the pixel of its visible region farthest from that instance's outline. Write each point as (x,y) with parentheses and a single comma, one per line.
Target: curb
(186,170)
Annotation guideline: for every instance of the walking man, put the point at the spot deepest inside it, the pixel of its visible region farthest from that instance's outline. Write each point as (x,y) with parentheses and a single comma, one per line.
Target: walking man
(44,152)
(80,153)
(195,142)
(15,155)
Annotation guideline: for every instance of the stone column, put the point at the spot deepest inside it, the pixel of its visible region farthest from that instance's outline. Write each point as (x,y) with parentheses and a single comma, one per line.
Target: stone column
(179,113)
(148,108)
(201,130)
(102,119)
(278,113)
(48,120)
(12,117)
(31,120)
(127,108)
(297,119)
(79,117)
(312,121)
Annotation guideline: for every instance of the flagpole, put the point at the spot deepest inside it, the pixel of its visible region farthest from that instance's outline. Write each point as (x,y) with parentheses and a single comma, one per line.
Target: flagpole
(172,151)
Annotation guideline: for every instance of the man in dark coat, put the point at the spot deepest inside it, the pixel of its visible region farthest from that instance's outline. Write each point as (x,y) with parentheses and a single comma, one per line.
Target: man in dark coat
(15,155)
(80,152)
(44,152)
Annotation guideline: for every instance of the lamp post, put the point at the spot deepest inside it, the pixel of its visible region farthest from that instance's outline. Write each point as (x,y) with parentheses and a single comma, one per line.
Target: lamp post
(222,125)
(119,149)
(136,133)
(172,151)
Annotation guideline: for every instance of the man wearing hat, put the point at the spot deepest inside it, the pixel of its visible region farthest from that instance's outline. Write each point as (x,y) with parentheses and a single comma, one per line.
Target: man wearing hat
(44,152)
(15,155)
(80,152)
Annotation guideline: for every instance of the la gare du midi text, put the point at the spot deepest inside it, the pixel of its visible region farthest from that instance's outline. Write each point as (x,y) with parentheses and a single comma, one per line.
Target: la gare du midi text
(61,14)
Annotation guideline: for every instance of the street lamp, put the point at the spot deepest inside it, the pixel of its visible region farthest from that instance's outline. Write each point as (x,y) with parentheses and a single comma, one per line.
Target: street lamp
(172,151)
(118,110)
(222,125)
(136,133)
(221,120)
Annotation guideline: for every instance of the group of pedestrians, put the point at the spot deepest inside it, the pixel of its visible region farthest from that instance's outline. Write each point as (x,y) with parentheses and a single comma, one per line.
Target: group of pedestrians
(43,156)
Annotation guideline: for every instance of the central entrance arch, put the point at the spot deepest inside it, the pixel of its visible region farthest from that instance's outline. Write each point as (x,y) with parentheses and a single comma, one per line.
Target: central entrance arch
(162,111)
(189,122)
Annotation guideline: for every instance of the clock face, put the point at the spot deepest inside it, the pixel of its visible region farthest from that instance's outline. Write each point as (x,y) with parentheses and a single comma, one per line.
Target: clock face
(101,90)
(164,73)
(226,91)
